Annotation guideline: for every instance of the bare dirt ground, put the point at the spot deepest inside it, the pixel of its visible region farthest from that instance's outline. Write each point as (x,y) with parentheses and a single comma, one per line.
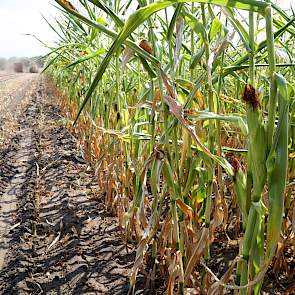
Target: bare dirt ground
(55,236)
(12,88)
(15,91)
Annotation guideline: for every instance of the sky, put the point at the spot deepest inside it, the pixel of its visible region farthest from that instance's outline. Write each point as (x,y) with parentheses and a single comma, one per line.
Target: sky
(19,17)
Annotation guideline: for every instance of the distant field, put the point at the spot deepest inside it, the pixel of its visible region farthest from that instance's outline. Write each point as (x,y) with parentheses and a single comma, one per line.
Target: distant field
(11,87)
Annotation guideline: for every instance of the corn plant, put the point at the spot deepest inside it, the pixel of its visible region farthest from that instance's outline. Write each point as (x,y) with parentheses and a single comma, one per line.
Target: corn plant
(169,100)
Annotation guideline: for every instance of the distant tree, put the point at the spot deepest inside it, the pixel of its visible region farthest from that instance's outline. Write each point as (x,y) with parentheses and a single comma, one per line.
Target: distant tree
(39,61)
(18,67)
(25,61)
(3,63)
(12,60)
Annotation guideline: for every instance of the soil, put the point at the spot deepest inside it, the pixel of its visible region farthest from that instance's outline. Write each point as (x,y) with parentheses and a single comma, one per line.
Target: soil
(56,237)
(15,93)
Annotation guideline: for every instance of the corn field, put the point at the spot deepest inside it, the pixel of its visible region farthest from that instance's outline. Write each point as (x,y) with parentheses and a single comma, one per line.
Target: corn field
(185,110)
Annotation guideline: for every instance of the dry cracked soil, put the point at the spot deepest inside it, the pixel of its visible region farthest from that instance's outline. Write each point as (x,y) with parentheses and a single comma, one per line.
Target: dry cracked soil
(55,236)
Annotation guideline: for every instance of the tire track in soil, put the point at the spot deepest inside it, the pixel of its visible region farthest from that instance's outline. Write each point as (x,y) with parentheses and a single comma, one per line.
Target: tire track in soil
(65,242)
(16,185)
(13,189)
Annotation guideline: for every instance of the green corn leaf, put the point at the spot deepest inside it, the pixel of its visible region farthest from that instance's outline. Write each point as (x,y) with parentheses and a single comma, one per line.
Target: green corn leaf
(109,33)
(51,62)
(201,31)
(137,18)
(147,67)
(279,163)
(87,57)
(108,11)
(238,27)
(197,58)
(205,115)
(262,45)
(173,20)
(215,28)
(168,173)
(240,191)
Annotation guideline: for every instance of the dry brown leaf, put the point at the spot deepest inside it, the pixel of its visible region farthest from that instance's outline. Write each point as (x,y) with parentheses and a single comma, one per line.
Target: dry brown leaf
(141,248)
(145,45)
(127,55)
(186,209)
(69,5)
(218,213)
(216,288)
(168,85)
(197,251)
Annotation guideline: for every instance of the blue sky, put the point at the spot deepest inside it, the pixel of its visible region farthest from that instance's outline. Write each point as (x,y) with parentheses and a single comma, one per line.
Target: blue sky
(18,17)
